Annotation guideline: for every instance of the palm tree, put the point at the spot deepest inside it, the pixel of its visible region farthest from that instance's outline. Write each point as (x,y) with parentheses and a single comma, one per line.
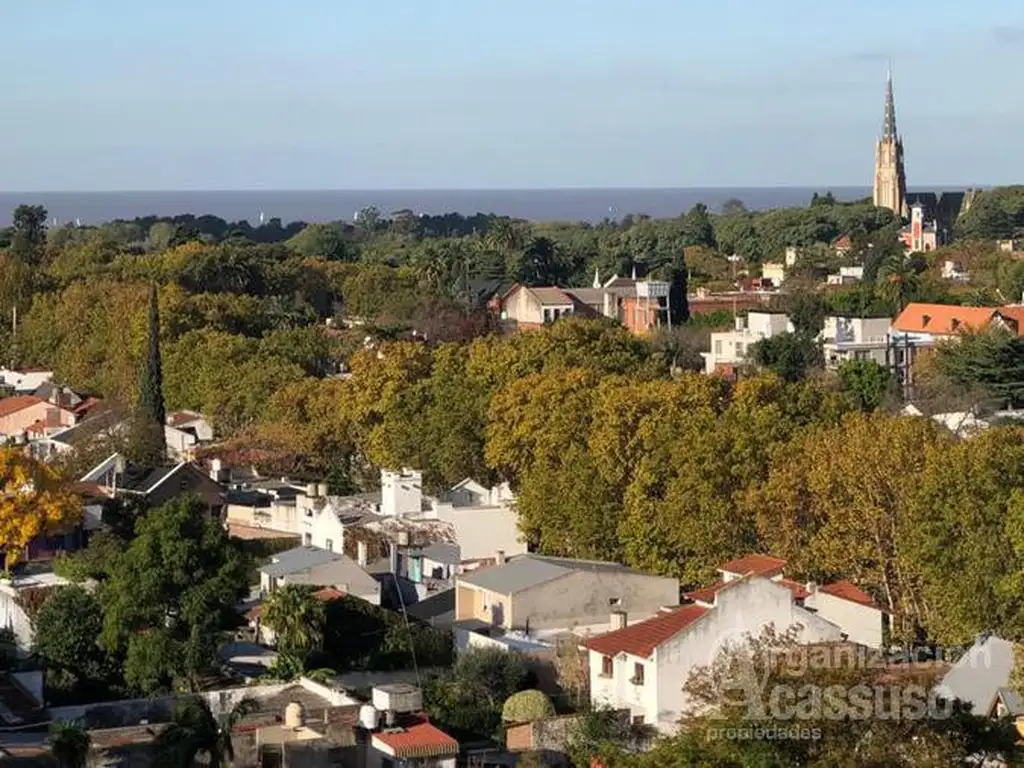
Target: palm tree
(898,281)
(296,617)
(69,743)
(195,735)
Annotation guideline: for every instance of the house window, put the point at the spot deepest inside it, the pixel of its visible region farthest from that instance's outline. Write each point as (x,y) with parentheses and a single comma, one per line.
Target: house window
(739,348)
(718,346)
(638,720)
(329,545)
(607,666)
(638,674)
(307,539)
(547,315)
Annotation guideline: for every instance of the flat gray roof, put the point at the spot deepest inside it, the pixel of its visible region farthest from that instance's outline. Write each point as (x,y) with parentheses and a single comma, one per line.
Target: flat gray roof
(526,571)
(298,559)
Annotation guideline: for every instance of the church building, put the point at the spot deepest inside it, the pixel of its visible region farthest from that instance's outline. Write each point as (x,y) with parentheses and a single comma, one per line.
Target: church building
(930,216)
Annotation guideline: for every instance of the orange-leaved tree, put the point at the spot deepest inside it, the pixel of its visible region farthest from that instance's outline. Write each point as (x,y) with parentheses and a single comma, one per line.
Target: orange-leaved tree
(34,501)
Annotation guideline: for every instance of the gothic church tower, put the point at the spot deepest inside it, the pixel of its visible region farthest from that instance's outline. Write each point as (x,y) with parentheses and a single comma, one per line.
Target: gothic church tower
(890,178)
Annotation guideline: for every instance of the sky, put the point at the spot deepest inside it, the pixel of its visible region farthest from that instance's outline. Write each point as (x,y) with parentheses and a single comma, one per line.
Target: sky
(350,94)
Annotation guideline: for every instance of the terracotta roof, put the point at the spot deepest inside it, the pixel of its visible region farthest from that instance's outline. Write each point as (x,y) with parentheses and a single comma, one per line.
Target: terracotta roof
(1014,312)
(87,405)
(642,638)
(241,531)
(799,590)
(707,594)
(420,739)
(762,565)
(183,417)
(843,241)
(846,590)
(36,427)
(942,319)
(17,403)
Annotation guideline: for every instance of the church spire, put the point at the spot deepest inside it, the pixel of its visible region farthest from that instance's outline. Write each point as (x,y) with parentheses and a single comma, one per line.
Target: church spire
(889,124)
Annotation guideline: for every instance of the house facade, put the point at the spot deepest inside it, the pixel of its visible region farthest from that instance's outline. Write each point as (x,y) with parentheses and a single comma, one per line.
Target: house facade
(21,414)
(855,338)
(644,666)
(531,592)
(729,348)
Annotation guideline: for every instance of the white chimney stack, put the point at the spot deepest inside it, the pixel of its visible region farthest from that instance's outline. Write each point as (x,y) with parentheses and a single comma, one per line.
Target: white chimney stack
(499,557)
(618,620)
(361,553)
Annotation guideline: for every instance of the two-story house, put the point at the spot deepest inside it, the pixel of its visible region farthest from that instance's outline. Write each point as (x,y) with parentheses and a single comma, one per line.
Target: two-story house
(855,338)
(729,348)
(643,667)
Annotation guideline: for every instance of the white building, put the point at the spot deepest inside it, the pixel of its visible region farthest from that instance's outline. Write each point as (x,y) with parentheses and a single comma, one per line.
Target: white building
(774,273)
(855,338)
(643,667)
(729,348)
(846,276)
(954,271)
(24,382)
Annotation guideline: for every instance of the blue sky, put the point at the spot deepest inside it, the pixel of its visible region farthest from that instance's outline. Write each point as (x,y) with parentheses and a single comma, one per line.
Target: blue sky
(349,94)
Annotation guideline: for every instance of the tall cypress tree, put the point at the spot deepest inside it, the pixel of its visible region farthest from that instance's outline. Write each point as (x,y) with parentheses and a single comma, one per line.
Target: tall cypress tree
(151,393)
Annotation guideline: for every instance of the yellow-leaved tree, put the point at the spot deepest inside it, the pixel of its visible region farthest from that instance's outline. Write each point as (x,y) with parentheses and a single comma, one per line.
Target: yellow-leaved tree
(34,501)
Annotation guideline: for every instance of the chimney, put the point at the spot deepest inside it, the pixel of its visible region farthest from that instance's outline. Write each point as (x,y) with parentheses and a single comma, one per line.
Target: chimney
(217,471)
(321,489)
(499,557)
(361,553)
(311,490)
(393,557)
(812,587)
(618,620)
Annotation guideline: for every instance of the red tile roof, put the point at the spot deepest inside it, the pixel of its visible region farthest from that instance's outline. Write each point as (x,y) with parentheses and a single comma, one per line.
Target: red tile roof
(241,531)
(942,319)
(420,739)
(799,590)
(762,565)
(846,590)
(87,405)
(642,638)
(707,594)
(17,403)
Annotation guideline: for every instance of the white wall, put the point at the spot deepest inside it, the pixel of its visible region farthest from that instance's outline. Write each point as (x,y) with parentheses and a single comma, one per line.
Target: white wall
(743,610)
(14,618)
(861,624)
(481,531)
(401,492)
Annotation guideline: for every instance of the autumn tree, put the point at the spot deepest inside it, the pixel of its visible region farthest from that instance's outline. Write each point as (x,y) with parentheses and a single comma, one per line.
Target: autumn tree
(35,501)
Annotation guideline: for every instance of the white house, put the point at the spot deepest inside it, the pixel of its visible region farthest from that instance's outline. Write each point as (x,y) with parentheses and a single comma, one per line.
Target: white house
(316,567)
(484,519)
(729,348)
(846,605)
(644,666)
(846,276)
(24,382)
(774,273)
(855,338)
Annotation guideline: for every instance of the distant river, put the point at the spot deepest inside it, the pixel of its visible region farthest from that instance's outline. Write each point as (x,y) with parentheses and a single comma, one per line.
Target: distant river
(534,204)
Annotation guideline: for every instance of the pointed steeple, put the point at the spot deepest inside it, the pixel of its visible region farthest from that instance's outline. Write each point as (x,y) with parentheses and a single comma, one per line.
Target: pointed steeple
(889,123)
(597,279)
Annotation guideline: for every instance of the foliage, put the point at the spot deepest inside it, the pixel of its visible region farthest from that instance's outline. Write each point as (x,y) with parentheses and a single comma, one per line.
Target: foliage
(526,707)
(297,618)
(990,360)
(468,699)
(788,355)
(359,635)
(94,562)
(69,743)
(66,630)
(195,734)
(34,501)
(176,584)
(151,395)
(866,383)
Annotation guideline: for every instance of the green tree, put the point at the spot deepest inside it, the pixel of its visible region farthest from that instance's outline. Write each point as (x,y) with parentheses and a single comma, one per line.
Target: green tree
(70,744)
(990,360)
(788,355)
(697,226)
(866,383)
(180,574)
(297,619)
(321,241)
(28,234)
(65,630)
(151,412)
(526,707)
(195,734)
(898,281)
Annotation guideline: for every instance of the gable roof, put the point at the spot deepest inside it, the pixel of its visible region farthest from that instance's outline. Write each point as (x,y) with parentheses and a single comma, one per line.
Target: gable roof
(847,590)
(417,739)
(549,295)
(977,677)
(297,559)
(942,319)
(106,418)
(762,565)
(526,571)
(11,405)
(642,638)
